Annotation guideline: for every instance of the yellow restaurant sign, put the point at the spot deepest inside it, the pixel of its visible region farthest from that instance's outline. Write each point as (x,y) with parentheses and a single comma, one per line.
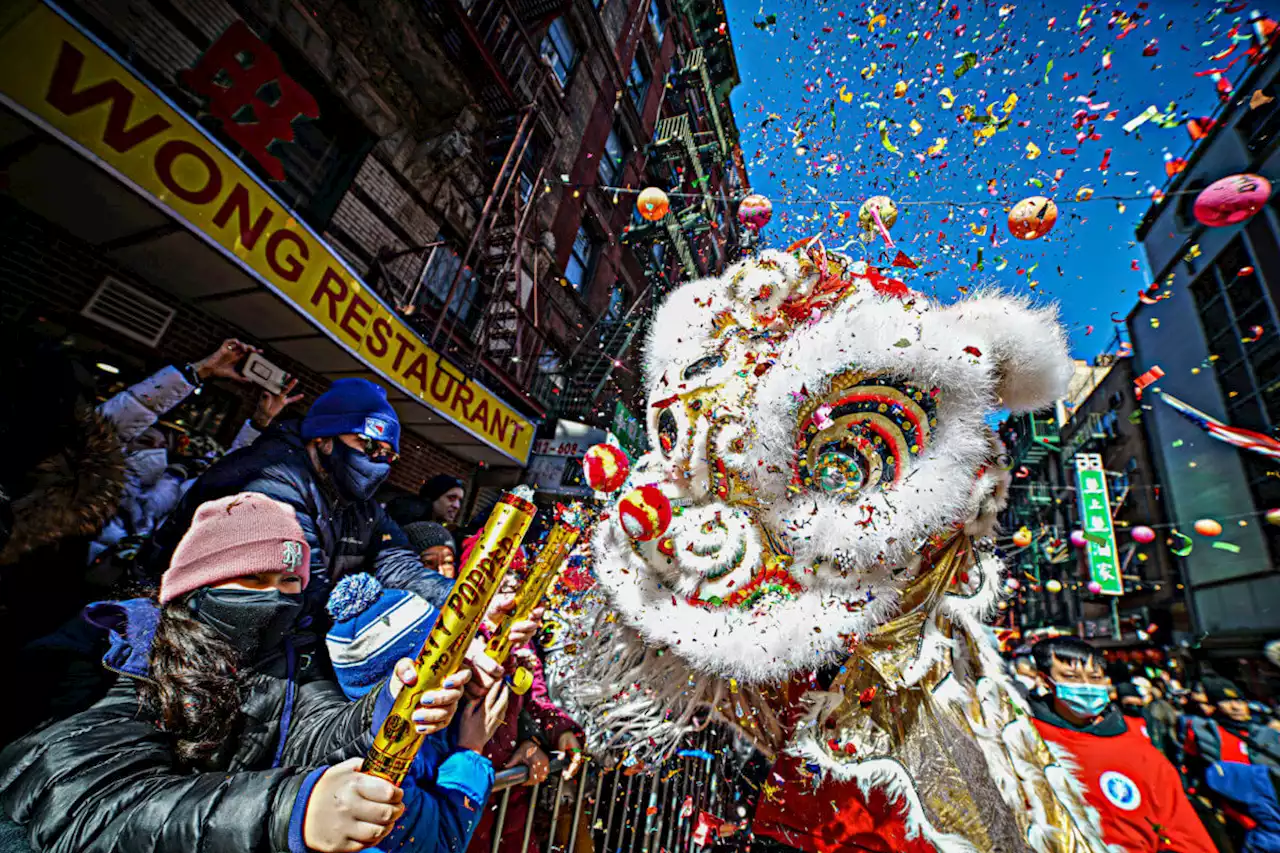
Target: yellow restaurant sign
(66,82)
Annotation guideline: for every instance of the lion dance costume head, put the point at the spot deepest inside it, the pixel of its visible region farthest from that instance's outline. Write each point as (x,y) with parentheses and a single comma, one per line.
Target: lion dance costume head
(819,431)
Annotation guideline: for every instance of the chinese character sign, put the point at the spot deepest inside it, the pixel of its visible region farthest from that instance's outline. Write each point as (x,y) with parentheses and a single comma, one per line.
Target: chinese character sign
(1095,521)
(237,74)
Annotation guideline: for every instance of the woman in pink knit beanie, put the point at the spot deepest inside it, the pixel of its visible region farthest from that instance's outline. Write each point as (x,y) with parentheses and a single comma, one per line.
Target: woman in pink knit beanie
(224,735)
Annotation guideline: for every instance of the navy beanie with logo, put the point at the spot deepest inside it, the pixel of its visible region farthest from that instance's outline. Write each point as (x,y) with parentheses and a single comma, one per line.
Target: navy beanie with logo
(353,406)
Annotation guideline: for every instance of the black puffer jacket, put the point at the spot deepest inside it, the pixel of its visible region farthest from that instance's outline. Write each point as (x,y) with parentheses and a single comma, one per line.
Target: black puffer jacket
(344,537)
(106,779)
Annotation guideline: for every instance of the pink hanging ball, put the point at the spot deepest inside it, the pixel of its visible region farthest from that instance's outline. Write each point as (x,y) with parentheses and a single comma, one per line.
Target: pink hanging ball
(1231,200)
(1143,534)
(1077,538)
(1094,587)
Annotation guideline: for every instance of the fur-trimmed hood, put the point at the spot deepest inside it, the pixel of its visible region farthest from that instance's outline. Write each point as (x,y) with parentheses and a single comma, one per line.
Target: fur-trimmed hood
(74,492)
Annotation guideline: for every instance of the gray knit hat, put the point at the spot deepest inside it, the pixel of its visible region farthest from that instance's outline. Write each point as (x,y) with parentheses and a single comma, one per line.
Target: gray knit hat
(428,534)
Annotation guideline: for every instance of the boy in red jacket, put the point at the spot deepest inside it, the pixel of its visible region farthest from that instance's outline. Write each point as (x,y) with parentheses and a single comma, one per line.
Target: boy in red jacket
(1137,792)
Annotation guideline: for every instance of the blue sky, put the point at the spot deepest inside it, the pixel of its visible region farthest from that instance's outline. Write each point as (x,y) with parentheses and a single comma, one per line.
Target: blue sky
(814,118)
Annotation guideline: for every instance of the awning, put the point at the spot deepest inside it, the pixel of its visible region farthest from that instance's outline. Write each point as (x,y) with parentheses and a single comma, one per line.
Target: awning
(146,185)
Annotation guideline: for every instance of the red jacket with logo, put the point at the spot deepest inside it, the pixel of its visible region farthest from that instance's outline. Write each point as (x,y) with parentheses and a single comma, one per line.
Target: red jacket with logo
(1137,792)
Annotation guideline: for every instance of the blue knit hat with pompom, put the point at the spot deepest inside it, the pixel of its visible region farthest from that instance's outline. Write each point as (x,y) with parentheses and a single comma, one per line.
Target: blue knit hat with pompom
(373,628)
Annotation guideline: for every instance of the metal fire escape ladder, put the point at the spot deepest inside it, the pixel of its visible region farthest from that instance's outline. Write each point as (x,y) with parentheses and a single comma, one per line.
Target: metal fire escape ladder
(499,333)
(681,244)
(698,62)
(507,177)
(677,129)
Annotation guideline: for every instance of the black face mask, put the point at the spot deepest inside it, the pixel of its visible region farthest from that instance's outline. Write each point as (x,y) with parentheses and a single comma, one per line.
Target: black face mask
(1131,710)
(254,621)
(355,475)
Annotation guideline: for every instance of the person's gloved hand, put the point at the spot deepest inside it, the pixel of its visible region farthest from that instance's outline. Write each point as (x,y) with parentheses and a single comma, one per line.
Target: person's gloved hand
(349,810)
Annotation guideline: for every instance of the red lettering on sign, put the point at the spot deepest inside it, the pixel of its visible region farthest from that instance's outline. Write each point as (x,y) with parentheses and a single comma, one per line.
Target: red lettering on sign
(379,339)
(404,345)
(62,95)
(168,155)
(418,371)
(291,270)
(352,316)
(232,74)
(332,287)
(458,391)
(238,203)
(481,414)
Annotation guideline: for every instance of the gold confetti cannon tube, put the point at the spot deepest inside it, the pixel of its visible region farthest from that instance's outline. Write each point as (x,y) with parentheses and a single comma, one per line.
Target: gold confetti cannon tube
(397,742)
(563,536)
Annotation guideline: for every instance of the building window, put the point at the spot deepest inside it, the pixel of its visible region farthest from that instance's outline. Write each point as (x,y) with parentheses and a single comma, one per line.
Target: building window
(1239,321)
(438,276)
(657,20)
(638,82)
(559,50)
(611,159)
(1259,125)
(615,302)
(581,258)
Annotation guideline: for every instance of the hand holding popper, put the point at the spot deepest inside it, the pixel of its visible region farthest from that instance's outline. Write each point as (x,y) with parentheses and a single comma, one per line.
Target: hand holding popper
(560,541)
(397,742)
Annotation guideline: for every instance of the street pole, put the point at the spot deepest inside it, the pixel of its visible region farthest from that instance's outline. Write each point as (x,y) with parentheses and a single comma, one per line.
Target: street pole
(1115,615)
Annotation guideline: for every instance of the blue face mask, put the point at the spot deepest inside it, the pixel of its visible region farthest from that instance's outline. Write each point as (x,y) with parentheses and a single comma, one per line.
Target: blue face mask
(355,475)
(1087,700)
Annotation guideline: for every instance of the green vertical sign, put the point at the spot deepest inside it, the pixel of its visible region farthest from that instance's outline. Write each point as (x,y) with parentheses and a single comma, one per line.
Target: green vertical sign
(629,430)
(1095,522)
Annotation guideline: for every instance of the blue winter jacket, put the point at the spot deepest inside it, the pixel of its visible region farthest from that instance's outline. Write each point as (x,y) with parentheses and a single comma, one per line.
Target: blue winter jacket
(344,537)
(1252,787)
(444,798)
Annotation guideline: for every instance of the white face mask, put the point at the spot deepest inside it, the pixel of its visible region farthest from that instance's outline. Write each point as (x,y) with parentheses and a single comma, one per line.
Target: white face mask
(148,465)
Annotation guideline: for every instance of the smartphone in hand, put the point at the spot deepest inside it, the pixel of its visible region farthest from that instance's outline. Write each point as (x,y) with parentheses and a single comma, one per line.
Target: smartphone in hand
(262,372)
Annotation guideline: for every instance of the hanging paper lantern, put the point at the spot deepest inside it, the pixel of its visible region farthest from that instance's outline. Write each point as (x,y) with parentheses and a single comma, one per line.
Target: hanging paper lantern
(755,211)
(645,513)
(1208,527)
(1143,534)
(876,216)
(605,468)
(1022,538)
(1033,217)
(1094,587)
(1054,586)
(1077,538)
(653,204)
(1231,200)
(1272,516)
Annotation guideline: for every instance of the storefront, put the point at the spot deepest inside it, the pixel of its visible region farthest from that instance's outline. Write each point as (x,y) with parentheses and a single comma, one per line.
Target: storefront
(131,216)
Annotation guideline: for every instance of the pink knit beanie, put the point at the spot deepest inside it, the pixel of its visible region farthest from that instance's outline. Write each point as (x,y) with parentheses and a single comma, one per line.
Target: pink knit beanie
(236,536)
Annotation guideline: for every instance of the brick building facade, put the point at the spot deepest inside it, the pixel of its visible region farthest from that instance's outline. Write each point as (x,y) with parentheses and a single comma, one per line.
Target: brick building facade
(469,166)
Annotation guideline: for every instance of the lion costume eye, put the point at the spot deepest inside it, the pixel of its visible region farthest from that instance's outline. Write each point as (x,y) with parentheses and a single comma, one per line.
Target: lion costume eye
(863,434)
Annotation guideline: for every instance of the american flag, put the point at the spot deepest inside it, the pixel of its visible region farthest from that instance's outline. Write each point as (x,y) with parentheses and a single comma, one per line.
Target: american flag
(1242,438)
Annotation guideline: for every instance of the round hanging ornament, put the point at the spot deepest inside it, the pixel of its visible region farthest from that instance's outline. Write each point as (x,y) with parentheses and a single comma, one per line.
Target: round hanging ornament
(876,216)
(755,211)
(1231,200)
(645,513)
(653,204)
(1143,534)
(1033,217)
(605,468)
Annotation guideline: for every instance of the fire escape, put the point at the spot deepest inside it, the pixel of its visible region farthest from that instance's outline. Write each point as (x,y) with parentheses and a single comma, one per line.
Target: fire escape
(506,265)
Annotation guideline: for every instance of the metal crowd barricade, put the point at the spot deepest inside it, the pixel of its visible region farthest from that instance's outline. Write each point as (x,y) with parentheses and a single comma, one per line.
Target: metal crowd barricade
(609,811)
